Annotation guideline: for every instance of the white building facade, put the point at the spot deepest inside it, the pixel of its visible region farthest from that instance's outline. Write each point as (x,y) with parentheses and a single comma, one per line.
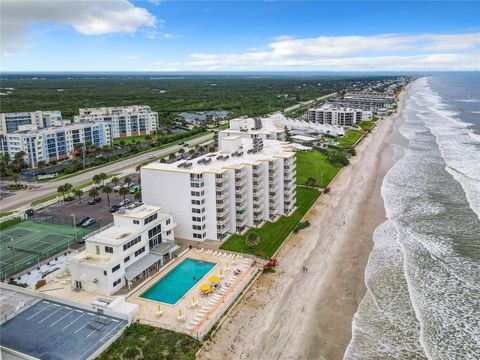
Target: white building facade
(249,181)
(10,122)
(265,128)
(137,241)
(54,143)
(338,116)
(124,120)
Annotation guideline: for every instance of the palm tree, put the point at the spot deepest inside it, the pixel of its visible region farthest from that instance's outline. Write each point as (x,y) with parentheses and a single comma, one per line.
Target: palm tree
(93,193)
(78,193)
(41,165)
(252,240)
(19,159)
(61,189)
(107,190)
(96,179)
(138,196)
(103,177)
(114,180)
(172,156)
(181,151)
(15,178)
(127,180)
(68,189)
(123,191)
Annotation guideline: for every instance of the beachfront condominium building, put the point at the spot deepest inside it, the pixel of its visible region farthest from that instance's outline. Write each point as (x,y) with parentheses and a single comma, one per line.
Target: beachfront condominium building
(267,128)
(40,119)
(124,120)
(338,116)
(54,143)
(371,101)
(249,181)
(138,242)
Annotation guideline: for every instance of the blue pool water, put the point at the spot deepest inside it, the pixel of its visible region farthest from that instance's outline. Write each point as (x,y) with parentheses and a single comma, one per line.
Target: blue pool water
(178,282)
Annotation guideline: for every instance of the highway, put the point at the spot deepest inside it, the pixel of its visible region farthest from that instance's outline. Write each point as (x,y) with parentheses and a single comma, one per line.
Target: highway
(304,103)
(23,199)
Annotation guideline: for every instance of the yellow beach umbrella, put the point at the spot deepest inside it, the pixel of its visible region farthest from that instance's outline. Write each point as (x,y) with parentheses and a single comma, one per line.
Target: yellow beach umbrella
(226,265)
(234,258)
(158,307)
(180,313)
(213,279)
(221,272)
(193,299)
(205,287)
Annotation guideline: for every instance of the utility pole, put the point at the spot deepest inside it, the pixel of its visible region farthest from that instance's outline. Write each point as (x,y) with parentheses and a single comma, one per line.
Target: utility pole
(74,229)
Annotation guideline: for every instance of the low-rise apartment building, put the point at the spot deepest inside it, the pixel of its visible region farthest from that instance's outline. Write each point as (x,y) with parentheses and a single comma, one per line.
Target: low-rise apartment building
(249,181)
(138,241)
(338,116)
(124,120)
(10,122)
(54,143)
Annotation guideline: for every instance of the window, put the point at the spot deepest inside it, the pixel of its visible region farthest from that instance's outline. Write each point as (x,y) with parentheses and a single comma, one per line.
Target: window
(115,268)
(195,202)
(150,218)
(105,272)
(116,282)
(195,218)
(139,251)
(136,222)
(196,211)
(167,222)
(127,259)
(154,231)
(197,227)
(195,193)
(169,232)
(129,244)
(195,185)
(197,236)
(109,249)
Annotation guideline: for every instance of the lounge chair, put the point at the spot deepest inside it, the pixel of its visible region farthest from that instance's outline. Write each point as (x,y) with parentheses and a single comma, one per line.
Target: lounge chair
(159,313)
(181,318)
(201,250)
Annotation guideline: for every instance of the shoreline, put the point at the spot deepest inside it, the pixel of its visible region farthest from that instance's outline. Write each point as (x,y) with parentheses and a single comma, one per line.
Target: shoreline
(296,315)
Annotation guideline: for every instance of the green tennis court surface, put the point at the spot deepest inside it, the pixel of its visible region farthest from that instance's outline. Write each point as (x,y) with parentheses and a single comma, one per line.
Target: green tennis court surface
(29,242)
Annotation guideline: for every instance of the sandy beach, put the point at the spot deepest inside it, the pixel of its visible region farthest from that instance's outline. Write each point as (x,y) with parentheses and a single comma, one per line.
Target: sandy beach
(293,314)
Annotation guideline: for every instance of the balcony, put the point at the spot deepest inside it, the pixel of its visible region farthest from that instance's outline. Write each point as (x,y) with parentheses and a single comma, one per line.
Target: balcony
(222,229)
(222,210)
(222,186)
(239,174)
(240,182)
(222,220)
(221,180)
(241,222)
(222,195)
(241,214)
(240,189)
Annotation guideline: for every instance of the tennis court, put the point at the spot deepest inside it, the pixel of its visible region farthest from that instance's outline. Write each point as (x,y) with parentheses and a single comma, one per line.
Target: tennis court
(29,242)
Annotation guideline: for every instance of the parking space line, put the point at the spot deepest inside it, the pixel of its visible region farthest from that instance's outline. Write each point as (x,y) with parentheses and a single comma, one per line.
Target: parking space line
(73,321)
(38,312)
(50,315)
(69,308)
(62,317)
(95,344)
(114,320)
(91,333)
(81,327)
(102,339)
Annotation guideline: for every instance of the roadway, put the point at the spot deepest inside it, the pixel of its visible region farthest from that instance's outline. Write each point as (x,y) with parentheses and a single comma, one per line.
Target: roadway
(23,199)
(304,103)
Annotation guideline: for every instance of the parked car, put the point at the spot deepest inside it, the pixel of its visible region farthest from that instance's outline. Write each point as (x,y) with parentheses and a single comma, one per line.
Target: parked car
(89,222)
(153,156)
(134,189)
(114,208)
(186,144)
(117,188)
(81,221)
(94,201)
(181,143)
(124,203)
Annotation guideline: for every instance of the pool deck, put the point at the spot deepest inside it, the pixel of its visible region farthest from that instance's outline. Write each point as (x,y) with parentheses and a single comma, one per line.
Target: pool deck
(198,319)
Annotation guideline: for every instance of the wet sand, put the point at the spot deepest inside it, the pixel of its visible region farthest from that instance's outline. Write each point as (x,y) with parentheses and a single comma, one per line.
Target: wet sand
(293,314)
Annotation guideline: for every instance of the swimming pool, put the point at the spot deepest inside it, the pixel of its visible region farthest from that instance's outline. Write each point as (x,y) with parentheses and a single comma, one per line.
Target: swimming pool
(178,282)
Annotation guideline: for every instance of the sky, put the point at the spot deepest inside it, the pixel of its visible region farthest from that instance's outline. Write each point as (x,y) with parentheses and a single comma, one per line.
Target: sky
(161,35)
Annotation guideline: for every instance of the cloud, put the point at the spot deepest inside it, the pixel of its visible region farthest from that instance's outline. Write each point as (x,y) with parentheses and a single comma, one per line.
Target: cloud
(376,52)
(88,17)
(154,34)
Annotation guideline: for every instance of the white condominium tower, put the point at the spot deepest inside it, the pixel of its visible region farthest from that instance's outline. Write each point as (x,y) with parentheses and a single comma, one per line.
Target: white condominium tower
(264,128)
(124,120)
(39,119)
(338,116)
(249,181)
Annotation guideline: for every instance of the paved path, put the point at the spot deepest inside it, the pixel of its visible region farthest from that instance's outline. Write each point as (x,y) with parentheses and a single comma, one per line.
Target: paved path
(25,198)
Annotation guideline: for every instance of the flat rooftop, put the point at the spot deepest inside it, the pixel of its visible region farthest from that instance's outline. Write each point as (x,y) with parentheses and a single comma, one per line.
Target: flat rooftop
(271,149)
(269,125)
(49,330)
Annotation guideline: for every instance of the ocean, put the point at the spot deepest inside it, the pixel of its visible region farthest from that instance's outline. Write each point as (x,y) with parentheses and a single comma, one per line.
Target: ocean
(423,274)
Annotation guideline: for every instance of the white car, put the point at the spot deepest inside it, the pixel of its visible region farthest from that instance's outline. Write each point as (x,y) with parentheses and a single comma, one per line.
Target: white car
(117,188)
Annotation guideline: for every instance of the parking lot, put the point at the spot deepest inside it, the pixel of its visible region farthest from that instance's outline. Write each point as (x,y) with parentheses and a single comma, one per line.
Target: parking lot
(100,211)
(50,330)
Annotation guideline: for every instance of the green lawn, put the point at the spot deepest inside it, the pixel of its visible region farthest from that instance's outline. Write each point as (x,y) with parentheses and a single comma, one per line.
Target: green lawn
(148,342)
(53,196)
(350,138)
(6,213)
(272,235)
(367,125)
(315,164)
